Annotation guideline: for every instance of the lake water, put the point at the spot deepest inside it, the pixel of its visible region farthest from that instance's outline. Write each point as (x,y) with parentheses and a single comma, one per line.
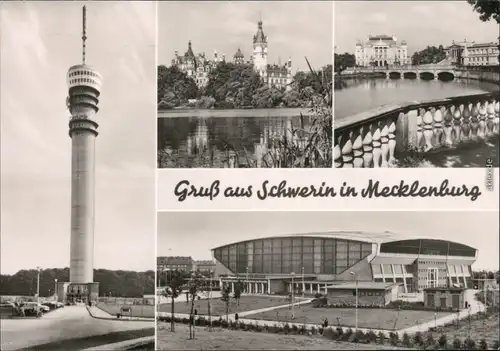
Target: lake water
(354,96)
(206,138)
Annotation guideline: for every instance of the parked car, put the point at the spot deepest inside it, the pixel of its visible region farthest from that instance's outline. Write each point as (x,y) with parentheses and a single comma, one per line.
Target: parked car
(51,305)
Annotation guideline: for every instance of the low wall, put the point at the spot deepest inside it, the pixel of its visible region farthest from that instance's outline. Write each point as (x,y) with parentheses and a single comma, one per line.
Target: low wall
(375,138)
(485,76)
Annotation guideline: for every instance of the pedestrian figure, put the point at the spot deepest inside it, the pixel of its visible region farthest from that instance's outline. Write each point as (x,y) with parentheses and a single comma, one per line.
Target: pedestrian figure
(187,297)
(195,312)
(236,316)
(325,323)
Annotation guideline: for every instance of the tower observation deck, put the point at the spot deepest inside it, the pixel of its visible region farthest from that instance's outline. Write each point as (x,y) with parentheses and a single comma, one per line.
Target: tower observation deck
(84,86)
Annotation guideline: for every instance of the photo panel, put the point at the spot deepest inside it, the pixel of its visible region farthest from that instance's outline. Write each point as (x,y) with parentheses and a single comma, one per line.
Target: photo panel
(78,107)
(326,280)
(249,86)
(414,87)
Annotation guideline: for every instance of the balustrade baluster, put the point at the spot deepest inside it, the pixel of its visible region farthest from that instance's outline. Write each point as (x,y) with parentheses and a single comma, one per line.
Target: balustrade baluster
(337,153)
(384,142)
(357,147)
(392,141)
(346,147)
(427,127)
(448,126)
(437,117)
(490,121)
(465,122)
(496,130)
(474,122)
(375,130)
(367,146)
(457,124)
(482,119)
(420,132)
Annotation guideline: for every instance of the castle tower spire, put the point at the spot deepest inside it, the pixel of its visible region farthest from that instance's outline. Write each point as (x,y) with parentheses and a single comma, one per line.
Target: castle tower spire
(259,56)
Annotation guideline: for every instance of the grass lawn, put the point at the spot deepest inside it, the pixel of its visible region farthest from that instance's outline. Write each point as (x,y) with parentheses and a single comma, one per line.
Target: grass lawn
(223,339)
(145,311)
(93,341)
(367,318)
(218,308)
(487,329)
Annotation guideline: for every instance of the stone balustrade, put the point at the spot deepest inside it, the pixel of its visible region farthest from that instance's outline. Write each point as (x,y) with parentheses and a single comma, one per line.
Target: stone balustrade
(377,137)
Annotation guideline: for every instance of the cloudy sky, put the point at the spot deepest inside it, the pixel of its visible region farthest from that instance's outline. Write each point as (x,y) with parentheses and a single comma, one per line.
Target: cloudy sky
(39,42)
(194,234)
(294,29)
(420,23)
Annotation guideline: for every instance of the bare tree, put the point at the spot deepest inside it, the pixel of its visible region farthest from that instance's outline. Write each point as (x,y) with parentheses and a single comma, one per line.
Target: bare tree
(196,287)
(225,292)
(239,287)
(173,290)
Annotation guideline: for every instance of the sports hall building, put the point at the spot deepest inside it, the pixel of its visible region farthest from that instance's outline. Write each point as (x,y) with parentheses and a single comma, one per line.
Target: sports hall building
(317,262)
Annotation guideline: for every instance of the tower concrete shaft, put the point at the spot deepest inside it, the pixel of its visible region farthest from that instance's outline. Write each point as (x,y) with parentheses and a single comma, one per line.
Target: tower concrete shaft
(84,89)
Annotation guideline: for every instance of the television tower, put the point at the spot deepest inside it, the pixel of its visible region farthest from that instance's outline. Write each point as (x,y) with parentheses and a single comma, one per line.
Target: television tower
(84,85)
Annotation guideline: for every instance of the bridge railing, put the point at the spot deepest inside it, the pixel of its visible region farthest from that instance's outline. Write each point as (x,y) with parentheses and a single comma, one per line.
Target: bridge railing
(377,137)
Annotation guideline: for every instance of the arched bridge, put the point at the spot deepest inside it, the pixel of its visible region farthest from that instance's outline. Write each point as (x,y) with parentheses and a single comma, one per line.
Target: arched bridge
(435,71)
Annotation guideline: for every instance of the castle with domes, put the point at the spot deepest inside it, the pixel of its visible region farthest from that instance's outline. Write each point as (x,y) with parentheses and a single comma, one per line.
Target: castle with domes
(199,66)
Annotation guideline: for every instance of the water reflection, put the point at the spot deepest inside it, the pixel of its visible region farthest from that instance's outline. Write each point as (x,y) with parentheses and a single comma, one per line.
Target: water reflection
(354,96)
(218,142)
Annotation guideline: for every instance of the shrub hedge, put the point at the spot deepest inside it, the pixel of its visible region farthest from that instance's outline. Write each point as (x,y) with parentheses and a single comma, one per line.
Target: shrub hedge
(347,335)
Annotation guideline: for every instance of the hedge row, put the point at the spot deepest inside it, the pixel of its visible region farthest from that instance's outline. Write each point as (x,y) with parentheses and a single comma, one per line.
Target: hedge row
(339,334)
(322,302)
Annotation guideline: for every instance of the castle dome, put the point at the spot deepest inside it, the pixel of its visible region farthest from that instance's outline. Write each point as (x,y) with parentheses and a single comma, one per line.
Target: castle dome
(238,54)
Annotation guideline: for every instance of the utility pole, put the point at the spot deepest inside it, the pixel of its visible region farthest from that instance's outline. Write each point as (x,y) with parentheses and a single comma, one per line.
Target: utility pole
(38,290)
(247,285)
(303,284)
(293,296)
(209,300)
(353,274)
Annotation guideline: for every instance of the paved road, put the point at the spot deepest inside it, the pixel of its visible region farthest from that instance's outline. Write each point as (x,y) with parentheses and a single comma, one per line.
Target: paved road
(62,324)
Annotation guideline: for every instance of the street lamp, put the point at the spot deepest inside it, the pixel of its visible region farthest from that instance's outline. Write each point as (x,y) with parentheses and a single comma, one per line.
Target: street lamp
(303,284)
(353,274)
(38,289)
(485,293)
(247,285)
(209,299)
(293,297)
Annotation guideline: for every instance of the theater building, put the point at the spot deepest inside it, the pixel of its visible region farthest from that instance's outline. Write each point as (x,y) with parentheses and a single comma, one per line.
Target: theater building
(310,263)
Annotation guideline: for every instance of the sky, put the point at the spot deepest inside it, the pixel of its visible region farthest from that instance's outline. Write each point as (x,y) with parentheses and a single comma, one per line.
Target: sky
(39,42)
(420,23)
(294,29)
(196,233)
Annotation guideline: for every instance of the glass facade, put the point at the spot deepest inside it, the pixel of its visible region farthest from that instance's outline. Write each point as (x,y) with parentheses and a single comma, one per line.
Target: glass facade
(428,247)
(312,255)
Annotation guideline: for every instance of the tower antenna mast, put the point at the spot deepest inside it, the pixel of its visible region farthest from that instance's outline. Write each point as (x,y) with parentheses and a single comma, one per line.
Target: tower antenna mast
(84,32)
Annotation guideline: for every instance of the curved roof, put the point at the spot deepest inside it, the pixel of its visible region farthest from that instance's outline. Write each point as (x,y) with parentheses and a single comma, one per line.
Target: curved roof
(368,237)
(238,54)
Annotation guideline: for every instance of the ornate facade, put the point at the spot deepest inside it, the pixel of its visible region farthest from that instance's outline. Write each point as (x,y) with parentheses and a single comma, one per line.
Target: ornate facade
(198,66)
(381,50)
(473,54)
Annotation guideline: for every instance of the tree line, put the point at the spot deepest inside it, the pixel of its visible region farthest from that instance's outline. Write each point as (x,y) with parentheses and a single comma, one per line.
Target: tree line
(196,287)
(236,86)
(111,283)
